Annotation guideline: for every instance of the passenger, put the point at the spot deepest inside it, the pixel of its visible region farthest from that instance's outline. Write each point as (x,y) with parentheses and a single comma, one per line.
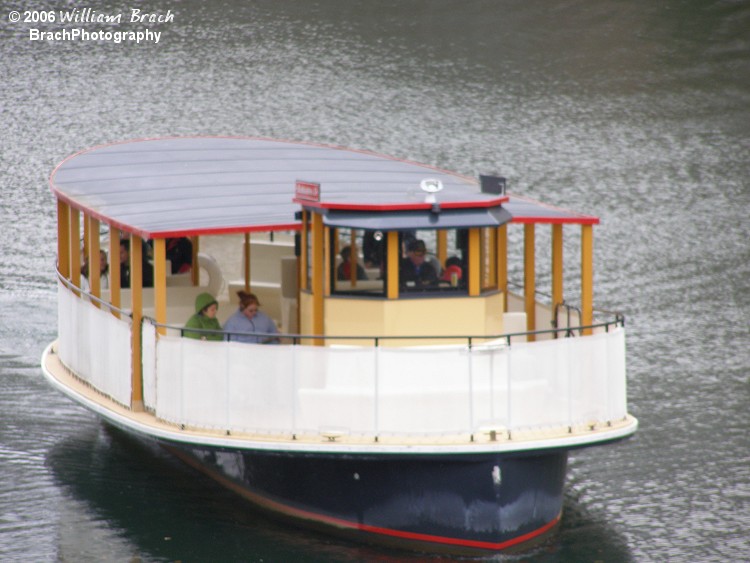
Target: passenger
(453,271)
(124,263)
(415,270)
(343,272)
(147,270)
(180,254)
(103,272)
(249,319)
(373,248)
(204,318)
(405,239)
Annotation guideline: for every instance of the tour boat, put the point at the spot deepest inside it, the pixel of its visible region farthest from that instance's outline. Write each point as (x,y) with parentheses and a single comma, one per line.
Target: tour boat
(432,410)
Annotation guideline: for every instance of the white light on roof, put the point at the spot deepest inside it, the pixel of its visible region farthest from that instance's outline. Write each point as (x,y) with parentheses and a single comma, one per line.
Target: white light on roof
(431,185)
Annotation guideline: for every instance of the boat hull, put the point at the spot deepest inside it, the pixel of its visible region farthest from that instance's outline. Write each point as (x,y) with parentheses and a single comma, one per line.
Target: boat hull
(454,503)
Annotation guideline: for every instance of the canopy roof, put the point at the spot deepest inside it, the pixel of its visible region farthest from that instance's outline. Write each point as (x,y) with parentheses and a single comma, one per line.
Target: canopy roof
(184,186)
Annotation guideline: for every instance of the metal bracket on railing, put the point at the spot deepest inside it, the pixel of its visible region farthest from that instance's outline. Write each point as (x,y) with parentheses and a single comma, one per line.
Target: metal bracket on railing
(494,432)
(333,433)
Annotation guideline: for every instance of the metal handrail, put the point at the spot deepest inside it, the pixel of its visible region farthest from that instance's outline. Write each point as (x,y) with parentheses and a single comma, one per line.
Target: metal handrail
(549,296)
(296,338)
(568,309)
(72,287)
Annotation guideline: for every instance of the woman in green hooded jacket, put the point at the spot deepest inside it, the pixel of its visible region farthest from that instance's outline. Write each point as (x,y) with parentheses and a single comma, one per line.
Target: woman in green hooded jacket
(204,318)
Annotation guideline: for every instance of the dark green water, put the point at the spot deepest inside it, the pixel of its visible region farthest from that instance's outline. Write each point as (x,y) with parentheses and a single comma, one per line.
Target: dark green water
(638,112)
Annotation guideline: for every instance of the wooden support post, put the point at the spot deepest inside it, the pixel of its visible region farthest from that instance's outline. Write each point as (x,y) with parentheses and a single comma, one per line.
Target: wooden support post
(94,259)
(475,273)
(318,276)
(75,247)
(353,258)
(502,263)
(160,283)
(136,291)
(490,238)
(529,290)
(394,261)
(442,246)
(587,277)
(114,268)
(327,260)
(63,239)
(303,250)
(557,265)
(86,235)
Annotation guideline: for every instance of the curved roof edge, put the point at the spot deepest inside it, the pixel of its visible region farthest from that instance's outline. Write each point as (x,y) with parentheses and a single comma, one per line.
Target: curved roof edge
(197,185)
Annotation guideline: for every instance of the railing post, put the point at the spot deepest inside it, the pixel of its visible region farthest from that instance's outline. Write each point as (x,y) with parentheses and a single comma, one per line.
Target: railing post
(508,364)
(587,277)
(227,390)
(492,385)
(377,391)
(471,391)
(295,393)
(529,290)
(568,344)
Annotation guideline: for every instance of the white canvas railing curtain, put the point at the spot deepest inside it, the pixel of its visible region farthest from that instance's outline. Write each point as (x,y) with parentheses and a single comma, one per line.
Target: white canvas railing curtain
(148,363)
(425,390)
(340,394)
(95,345)
(363,390)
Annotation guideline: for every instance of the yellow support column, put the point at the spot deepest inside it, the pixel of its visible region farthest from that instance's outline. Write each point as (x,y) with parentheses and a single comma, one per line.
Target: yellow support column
(63,239)
(557,265)
(475,282)
(326,261)
(318,276)
(442,246)
(114,268)
(502,263)
(394,260)
(303,251)
(136,291)
(587,277)
(491,238)
(160,283)
(93,258)
(86,235)
(75,247)
(529,270)
(353,256)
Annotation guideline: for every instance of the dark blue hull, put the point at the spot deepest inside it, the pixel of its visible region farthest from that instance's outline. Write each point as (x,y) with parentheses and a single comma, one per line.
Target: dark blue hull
(461,503)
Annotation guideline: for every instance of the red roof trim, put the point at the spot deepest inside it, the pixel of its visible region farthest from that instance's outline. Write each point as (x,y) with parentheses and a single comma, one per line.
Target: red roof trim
(402,206)
(572,217)
(227,230)
(582,220)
